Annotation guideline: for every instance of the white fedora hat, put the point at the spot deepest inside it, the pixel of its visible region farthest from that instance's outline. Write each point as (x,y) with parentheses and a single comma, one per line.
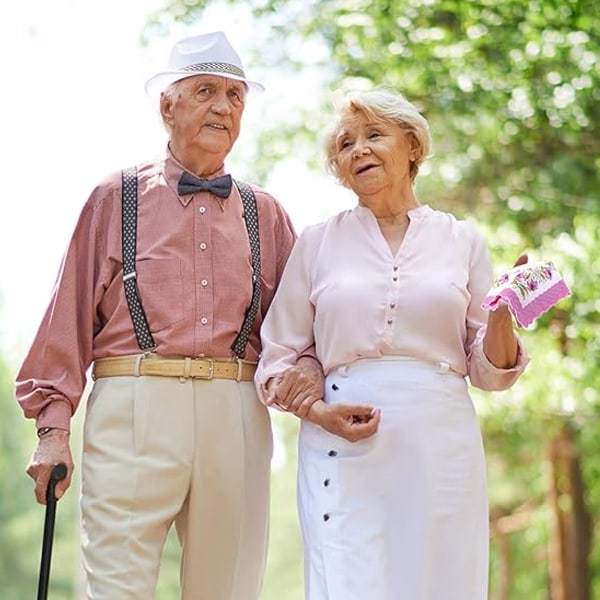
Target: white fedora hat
(208,53)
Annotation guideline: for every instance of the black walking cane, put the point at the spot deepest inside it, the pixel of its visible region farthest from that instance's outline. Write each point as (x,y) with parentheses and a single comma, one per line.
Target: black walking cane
(59,472)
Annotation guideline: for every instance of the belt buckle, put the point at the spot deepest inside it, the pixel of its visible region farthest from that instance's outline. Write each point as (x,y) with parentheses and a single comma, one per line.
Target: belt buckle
(240,366)
(211,369)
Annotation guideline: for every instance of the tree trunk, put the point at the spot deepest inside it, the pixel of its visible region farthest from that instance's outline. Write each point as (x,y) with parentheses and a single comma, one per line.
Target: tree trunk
(570,538)
(501,537)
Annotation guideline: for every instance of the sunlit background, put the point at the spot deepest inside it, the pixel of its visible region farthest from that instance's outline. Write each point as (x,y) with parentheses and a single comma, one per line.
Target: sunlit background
(75,109)
(512,93)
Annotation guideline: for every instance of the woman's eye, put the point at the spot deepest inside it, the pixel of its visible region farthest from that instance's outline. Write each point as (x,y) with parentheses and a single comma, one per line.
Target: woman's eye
(345,144)
(374,134)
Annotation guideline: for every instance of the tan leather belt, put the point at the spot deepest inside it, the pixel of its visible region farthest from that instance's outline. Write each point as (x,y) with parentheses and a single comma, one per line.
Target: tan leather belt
(197,368)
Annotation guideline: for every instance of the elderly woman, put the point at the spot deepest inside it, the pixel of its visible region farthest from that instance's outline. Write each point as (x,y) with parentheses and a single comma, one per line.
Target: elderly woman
(391,484)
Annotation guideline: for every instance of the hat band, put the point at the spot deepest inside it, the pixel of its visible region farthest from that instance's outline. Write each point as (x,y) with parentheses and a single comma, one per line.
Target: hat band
(215,67)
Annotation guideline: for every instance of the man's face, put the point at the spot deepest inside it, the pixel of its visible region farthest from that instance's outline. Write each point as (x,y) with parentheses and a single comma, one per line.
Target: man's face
(204,114)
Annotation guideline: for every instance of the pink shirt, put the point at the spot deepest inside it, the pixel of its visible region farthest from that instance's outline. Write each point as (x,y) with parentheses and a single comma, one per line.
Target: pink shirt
(345,290)
(194,275)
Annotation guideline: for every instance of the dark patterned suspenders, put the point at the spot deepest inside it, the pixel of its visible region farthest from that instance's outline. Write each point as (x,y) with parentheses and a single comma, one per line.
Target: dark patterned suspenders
(251,220)
(129,241)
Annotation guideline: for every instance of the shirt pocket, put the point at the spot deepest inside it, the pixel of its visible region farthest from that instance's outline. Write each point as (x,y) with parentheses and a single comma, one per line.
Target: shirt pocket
(160,283)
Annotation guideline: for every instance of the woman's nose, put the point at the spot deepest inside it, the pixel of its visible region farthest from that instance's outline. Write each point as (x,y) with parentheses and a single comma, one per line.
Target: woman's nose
(360,148)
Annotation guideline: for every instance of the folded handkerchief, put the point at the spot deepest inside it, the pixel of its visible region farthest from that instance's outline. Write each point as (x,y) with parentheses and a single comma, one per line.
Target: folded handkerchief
(529,291)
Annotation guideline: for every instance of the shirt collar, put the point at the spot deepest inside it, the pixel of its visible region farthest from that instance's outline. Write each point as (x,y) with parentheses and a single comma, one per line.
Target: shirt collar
(172,170)
(415,214)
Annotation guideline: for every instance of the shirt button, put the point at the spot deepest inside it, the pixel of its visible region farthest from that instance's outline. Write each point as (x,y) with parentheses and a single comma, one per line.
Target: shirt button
(394,279)
(204,282)
(204,320)
(202,210)
(332,453)
(326,517)
(390,321)
(393,305)
(326,482)
(395,267)
(202,246)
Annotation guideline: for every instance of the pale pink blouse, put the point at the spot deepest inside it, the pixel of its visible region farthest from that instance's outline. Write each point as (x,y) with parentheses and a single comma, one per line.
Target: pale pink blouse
(345,291)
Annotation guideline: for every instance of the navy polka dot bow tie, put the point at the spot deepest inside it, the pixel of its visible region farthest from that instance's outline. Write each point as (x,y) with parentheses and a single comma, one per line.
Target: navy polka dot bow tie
(189,184)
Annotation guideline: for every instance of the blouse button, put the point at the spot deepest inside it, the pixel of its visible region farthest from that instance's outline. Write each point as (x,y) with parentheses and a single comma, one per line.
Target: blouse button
(326,517)
(390,321)
(393,305)
(202,246)
(202,210)
(204,320)
(326,482)
(332,453)
(204,282)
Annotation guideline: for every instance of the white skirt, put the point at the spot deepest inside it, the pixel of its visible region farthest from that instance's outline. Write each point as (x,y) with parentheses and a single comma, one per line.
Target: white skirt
(402,515)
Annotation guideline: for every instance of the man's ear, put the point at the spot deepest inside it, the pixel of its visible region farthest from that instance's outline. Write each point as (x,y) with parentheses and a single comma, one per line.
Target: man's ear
(166,108)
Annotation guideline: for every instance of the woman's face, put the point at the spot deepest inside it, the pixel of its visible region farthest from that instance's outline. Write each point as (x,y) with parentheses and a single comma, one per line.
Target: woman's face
(373,154)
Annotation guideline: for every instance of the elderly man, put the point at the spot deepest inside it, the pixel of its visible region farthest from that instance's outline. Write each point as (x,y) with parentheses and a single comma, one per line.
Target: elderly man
(163,288)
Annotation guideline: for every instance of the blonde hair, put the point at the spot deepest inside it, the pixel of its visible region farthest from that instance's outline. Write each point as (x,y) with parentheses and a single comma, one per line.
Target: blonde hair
(380,105)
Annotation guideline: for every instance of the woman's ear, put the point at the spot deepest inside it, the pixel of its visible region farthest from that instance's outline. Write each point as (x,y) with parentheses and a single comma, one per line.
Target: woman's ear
(415,148)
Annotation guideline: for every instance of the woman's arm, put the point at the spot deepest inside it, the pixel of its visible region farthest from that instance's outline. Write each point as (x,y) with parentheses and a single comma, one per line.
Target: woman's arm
(500,342)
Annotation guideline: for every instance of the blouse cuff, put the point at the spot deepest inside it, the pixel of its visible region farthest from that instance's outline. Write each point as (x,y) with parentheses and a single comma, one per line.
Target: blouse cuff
(487,376)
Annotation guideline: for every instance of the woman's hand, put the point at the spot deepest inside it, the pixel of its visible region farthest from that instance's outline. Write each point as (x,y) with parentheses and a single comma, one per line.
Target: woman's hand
(500,343)
(352,422)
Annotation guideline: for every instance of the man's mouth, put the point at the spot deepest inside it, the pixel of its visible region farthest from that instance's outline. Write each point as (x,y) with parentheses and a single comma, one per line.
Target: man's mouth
(217,126)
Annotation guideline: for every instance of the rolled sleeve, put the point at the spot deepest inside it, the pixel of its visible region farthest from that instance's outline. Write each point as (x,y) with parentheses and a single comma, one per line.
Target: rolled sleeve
(485,376)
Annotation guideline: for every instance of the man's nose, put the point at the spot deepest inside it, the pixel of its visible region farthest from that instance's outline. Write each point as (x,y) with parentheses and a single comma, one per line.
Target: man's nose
(221,104)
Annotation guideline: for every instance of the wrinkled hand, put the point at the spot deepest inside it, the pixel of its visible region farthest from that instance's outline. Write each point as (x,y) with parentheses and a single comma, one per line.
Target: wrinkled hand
(53,448)
(296,389)
(502,312)
(522,260)
(352,422)
(500,342)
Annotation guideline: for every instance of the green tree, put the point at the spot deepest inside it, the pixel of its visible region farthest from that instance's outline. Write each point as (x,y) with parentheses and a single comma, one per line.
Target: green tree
(22,518)
(511,90)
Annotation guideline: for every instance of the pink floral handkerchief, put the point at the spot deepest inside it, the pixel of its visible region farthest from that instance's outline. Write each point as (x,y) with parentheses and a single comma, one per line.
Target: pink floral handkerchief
(529,291)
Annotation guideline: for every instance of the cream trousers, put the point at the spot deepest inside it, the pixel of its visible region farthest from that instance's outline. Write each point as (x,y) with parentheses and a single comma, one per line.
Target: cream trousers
(159,451)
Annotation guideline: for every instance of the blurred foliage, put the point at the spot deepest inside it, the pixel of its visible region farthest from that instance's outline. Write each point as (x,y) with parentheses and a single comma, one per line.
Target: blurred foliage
(511,90)
(512,93)
(23,519)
